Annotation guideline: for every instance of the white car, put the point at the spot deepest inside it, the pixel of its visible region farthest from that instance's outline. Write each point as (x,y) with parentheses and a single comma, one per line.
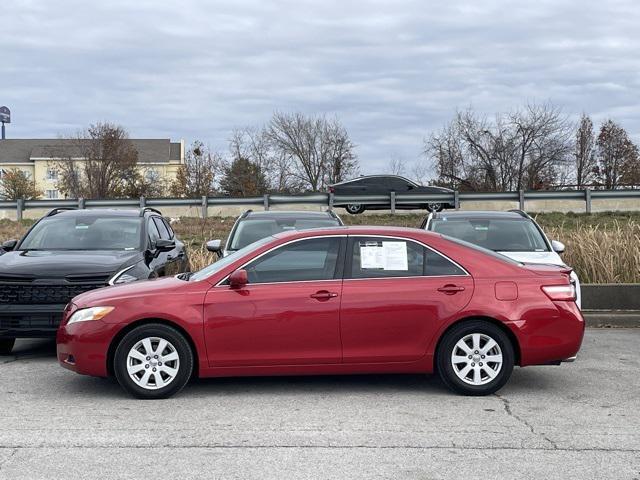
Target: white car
(513,234)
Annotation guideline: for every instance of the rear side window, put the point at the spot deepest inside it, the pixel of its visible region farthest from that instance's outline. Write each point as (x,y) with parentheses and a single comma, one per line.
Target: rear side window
(305,260)
(373,257)
(162,228)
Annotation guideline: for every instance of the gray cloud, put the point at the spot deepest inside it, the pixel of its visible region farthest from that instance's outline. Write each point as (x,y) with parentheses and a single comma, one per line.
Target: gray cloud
(391,71)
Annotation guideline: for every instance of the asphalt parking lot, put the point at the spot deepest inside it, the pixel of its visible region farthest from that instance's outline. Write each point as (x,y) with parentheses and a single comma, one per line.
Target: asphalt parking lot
(580,420)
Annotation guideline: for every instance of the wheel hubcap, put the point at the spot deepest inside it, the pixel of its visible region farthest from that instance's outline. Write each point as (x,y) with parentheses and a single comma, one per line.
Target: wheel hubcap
(354,207)
(476,359)
(153,363)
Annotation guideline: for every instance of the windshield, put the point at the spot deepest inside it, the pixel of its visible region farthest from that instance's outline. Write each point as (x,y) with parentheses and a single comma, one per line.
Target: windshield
(84,233)
(229,259)
(499,235)
(252,229)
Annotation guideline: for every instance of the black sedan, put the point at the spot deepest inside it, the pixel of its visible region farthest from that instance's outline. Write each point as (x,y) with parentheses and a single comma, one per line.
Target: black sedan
(384,185)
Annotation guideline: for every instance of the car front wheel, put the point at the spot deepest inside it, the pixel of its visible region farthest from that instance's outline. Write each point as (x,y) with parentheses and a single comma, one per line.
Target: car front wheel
(354,208)
(475,358)
(153,361)
(435,207)
(6,345)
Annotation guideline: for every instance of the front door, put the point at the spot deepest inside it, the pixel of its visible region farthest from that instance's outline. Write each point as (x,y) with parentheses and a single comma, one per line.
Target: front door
(288,313)
(396,294)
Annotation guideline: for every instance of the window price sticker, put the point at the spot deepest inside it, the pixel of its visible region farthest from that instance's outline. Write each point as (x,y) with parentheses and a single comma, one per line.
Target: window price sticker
(384,256)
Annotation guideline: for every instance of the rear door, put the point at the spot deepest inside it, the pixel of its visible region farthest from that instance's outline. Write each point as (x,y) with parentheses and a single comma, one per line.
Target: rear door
(395,296)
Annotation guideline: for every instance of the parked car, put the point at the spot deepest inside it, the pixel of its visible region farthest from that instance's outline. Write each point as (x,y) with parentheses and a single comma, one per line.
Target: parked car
(332,301)
(252,226)
(68,252)
(513,234)
(384,185)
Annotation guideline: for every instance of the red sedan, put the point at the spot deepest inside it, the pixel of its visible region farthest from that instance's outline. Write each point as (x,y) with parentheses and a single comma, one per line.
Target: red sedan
(333,301)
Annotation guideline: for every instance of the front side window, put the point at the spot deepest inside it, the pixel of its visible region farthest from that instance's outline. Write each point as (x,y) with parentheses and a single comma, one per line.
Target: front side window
(304,260)
(374,257)
(251,229)
(84,233)
(499,235)
(162,228)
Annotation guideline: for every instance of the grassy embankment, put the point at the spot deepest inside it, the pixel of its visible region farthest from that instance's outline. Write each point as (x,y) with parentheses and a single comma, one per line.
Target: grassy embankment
(602,247)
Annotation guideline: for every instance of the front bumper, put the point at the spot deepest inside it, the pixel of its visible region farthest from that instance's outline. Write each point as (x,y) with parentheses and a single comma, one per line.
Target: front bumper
(84,347)
(30,321)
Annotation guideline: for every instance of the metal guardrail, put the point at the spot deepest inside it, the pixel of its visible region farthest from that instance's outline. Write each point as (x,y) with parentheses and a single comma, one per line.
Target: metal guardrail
(394,200)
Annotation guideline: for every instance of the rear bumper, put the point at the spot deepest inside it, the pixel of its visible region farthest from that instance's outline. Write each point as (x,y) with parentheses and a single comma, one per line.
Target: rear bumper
(30,321)
(550,341)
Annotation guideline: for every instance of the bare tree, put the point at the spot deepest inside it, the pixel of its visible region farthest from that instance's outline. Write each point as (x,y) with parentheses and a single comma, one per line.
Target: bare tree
(15,184)
(516,150)
(255,145)
(96,163)
(618,159)
(321,150)
(196,177)
(584,152)
(396,165)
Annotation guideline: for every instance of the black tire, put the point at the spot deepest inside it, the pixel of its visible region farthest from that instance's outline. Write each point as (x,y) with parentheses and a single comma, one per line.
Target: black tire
(6,345)
(355,208)
(435,207)
(444,361)
(160,331)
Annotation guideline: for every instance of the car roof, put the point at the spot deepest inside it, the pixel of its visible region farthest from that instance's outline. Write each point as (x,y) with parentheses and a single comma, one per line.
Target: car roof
(356,230)
(106,212)
(298,214)
(480,214)
(362,177)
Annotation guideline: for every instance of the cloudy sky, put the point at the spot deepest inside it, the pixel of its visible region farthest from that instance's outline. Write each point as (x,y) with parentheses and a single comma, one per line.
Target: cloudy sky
(390,70)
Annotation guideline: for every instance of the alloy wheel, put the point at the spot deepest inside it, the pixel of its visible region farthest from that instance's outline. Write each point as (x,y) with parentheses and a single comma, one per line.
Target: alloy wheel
(153,363)
(476,359)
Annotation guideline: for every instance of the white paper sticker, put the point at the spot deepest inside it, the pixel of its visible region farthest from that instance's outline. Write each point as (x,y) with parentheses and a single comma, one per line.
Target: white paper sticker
(371,257)
(395,256)
(388,256)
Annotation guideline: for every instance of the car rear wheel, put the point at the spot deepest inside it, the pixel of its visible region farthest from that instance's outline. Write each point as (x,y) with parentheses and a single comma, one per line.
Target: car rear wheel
(435,207)
(475,358)
(6,345)
(153,361)
(355,208)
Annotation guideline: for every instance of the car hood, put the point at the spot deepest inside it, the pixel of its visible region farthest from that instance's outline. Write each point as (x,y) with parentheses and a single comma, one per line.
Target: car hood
(156,286)
(62,263)
(550,258)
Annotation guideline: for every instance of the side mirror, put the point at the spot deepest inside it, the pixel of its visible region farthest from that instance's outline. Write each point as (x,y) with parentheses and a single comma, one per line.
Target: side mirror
(214,246)
(238,279)
(9,245)
(557,246)
(164,245)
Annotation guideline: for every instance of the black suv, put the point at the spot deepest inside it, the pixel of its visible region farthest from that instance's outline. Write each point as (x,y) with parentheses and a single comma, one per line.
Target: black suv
(253,226)
(384,185)
(70,251)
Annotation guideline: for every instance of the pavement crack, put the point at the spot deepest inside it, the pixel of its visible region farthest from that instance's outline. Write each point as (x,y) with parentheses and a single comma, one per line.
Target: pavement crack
(507,408)
(6,460)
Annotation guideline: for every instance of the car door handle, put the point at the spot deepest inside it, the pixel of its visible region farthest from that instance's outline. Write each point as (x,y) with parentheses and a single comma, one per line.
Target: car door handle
(451,289)
(323,295)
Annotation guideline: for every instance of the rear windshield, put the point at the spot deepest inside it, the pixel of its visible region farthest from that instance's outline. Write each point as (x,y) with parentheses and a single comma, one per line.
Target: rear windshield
(497,234)
(252,229)
(486,251)
(84,233)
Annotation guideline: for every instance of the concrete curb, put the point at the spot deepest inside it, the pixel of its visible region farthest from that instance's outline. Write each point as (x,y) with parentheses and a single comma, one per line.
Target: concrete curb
(612,318)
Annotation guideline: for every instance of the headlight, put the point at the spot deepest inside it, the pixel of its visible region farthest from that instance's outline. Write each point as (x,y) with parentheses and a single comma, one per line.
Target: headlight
(123,277)
(93,313)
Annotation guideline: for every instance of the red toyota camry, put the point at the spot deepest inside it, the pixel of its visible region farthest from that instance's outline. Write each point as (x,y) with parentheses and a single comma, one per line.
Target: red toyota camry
(332,301)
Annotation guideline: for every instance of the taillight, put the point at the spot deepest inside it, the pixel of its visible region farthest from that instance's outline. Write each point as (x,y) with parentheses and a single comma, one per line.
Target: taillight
(560,293)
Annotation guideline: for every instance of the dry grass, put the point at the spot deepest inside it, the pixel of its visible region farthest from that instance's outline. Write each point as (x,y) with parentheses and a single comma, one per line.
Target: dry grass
(603,248)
